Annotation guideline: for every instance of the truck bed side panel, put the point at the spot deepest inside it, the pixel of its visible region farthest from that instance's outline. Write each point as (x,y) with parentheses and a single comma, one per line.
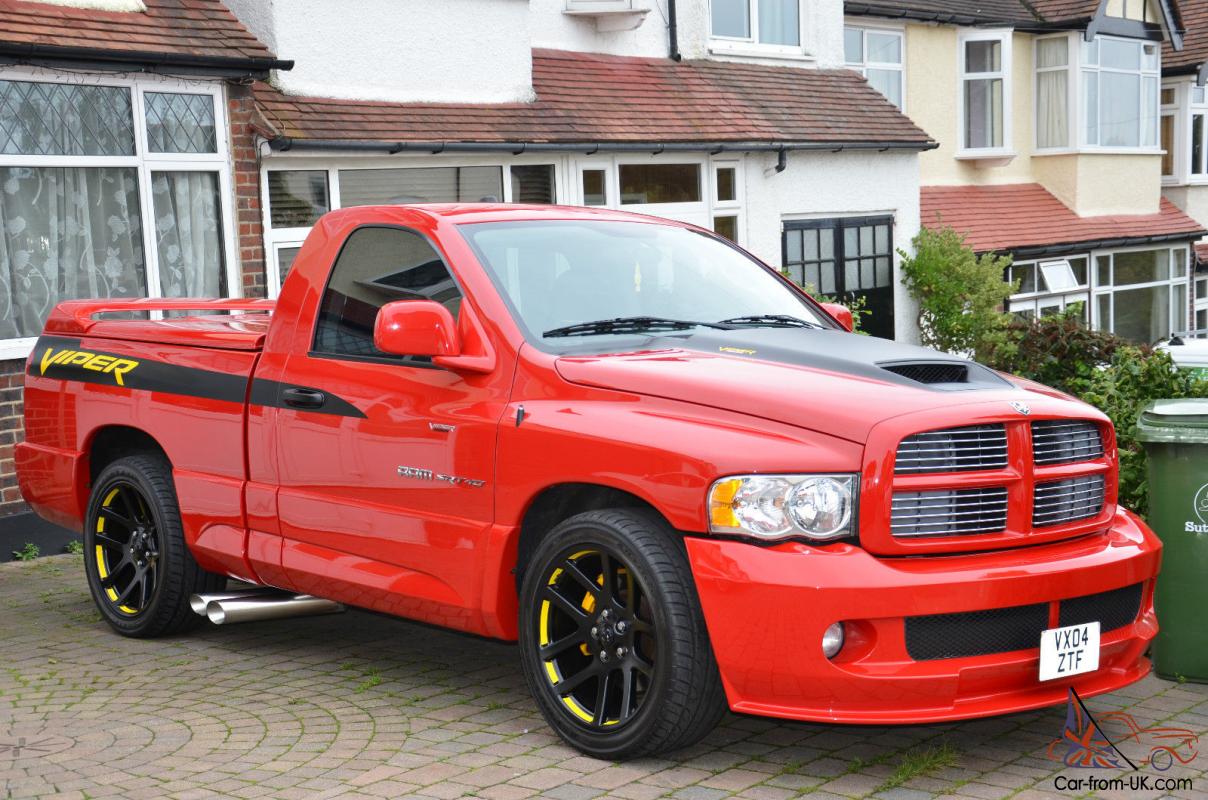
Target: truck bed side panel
(190,400)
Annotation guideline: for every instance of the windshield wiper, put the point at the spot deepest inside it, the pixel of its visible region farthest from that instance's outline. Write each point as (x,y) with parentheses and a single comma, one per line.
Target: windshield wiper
(772,321)
(631,325)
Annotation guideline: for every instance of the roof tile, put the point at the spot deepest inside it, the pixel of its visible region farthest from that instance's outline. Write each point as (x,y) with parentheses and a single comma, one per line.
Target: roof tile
(199,28)
(1025,215)
(1019,12)
(585,97)
(1194,14)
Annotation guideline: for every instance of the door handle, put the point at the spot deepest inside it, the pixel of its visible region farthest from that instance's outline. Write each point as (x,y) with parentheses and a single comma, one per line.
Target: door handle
(298,397)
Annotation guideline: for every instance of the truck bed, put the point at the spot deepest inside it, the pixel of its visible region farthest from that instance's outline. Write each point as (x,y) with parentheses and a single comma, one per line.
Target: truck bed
(187,377)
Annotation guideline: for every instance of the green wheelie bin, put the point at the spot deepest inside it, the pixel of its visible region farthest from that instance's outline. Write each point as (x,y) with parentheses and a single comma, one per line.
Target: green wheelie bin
(1175,435)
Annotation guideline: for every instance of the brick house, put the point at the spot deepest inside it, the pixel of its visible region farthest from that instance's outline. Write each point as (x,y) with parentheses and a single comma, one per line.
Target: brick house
(737,115)
(1052,144)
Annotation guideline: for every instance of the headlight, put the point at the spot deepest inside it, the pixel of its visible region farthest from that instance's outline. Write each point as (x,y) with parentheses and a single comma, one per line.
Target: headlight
(776,507)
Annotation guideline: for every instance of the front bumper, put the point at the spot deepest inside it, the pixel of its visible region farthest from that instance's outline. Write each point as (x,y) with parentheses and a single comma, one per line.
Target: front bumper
(767,607)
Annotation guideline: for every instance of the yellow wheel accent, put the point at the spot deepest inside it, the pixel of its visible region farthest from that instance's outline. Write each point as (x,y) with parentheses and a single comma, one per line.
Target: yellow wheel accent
(577,709)
(102,565)
(566,605)
(103,570)
(100,520)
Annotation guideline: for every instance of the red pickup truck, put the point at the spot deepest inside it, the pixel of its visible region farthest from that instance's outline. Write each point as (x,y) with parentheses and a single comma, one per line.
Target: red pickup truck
(675,479)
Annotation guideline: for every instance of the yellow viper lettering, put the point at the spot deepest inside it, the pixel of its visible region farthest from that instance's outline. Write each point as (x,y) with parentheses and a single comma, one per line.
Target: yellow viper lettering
(95,362)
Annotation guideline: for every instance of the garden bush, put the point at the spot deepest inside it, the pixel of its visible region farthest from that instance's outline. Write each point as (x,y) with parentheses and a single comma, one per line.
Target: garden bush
(1058,351)
(960,294)
(1135,377)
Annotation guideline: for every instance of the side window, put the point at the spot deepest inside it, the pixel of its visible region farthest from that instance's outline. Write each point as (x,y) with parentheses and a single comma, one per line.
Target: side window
(375,267)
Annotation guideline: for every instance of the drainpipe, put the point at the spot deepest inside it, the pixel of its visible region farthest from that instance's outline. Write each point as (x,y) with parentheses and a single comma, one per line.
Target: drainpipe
(672,33)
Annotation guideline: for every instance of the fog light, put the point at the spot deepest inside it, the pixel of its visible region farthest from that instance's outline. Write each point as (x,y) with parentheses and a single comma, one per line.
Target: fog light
(832,640)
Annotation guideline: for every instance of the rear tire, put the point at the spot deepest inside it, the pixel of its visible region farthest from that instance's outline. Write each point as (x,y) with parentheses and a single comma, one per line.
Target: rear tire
(140,571)
(612,640)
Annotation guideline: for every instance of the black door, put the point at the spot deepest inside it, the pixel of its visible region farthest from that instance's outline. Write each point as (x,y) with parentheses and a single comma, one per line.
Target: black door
(846,259)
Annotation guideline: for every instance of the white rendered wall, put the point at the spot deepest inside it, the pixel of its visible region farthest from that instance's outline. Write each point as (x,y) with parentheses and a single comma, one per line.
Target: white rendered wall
(821,185)
(479,51)
(822,37)
(553,29)
(452,51)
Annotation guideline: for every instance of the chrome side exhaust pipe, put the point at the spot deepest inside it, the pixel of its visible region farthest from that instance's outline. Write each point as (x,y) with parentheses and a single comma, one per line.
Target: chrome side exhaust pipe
(198,602)
(230,610)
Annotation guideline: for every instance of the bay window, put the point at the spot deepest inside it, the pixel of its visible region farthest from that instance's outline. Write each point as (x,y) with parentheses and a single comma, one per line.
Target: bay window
(113,188)
(877,55)
(1120,92)
(1053,92)
(1138,294)
(763,22)
(1050,286)
(984,98)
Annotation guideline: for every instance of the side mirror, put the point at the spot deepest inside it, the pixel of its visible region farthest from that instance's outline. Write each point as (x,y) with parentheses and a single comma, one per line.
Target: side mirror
(416,328)
(841,314)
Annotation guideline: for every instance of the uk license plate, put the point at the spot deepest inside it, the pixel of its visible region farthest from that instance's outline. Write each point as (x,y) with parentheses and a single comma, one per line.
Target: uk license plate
(1067,651)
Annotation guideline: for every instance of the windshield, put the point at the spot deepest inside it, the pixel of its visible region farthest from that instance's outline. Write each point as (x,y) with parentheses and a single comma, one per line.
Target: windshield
(606,284)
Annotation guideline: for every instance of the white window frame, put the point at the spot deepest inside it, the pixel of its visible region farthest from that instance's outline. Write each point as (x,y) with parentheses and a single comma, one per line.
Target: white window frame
(1199,302)
(1180,159)
(1072,93)
(1004,37)
(276,239)
(147,164)
(1191,101)
(750,45)
(727,208)
(1099,290)
(863,65)
(568,185)
(1084,67)
(1041,298)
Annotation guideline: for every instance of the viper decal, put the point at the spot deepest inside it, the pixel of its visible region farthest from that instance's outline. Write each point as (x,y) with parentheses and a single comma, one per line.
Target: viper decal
(64,359)
(97,362)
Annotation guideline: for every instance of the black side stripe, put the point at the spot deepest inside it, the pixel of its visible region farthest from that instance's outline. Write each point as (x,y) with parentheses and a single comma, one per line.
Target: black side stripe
(268,393)
(113,369)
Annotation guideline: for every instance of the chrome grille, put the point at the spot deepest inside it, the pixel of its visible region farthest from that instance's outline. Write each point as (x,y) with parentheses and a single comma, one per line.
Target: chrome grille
(953,450)
(1068,500)
(949,512)
(1063,442)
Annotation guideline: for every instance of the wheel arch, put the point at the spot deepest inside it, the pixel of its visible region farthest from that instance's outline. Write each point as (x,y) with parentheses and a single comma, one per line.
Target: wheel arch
(107,444)
(562,500)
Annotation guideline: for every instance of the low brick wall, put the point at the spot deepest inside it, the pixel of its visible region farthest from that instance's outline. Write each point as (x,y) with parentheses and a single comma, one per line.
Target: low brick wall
(12,430)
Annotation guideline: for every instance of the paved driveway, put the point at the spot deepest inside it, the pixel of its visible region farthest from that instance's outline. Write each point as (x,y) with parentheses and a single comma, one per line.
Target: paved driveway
(358,705)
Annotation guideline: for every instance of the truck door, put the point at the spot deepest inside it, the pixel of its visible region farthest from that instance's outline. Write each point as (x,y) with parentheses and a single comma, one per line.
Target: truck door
(386,462)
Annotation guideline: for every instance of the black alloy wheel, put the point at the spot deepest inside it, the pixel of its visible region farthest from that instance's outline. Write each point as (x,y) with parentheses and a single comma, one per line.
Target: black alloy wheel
(598,645)
(127,549)
(612,639)
(140,571)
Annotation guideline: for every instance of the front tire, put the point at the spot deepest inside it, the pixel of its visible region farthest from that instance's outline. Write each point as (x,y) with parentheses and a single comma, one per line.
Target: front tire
(612,639)
(140,571)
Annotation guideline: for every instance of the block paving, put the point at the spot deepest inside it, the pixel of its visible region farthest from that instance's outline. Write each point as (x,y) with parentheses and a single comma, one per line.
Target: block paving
(359,705)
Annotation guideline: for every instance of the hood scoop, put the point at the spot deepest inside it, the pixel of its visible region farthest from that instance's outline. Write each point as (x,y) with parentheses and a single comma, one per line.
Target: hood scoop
(925,372)
(953,375)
